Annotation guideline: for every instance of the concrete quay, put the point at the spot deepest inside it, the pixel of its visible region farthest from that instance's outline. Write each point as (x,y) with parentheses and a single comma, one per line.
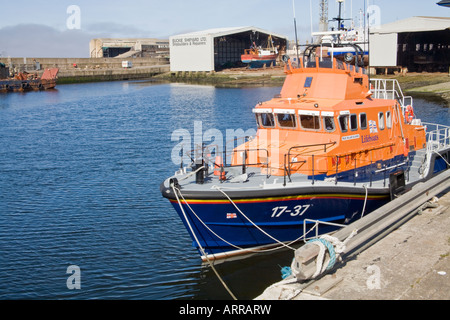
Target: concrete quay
(73,70)
(410,263)
(29,63)
(110,74)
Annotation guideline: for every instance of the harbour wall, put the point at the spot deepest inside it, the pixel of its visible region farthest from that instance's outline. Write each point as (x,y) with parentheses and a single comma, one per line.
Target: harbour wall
(72,70)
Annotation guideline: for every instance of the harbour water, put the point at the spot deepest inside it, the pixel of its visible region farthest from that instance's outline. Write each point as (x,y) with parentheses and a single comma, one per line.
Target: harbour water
(80,169)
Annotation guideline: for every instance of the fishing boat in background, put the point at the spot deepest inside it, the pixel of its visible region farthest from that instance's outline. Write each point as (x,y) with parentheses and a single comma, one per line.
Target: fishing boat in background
(339,42)
(258,57)
(332,147)
(23,81)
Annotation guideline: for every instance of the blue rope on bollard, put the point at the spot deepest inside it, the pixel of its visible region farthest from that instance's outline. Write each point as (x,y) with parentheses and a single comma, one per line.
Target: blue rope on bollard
(285,272)
(331,251)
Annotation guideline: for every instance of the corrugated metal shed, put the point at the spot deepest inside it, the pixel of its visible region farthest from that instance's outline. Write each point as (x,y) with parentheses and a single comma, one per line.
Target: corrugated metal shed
(218,32)
(210,49)
(418,43)
(414,24)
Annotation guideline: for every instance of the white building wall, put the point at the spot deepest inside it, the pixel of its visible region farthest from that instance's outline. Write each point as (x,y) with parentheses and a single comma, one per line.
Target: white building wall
(383,50)
(192,53)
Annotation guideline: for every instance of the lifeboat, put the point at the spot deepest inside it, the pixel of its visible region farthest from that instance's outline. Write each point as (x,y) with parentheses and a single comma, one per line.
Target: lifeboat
(332,147)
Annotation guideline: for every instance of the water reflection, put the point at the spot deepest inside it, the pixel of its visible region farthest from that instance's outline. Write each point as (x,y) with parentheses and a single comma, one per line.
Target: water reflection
(80,169)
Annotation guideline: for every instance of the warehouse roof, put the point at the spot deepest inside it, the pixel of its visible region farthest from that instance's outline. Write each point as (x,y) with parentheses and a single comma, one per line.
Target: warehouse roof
(414,24)
(218,32)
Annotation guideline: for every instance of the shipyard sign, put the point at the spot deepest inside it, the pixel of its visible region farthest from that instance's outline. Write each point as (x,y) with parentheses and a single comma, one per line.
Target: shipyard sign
(189,41)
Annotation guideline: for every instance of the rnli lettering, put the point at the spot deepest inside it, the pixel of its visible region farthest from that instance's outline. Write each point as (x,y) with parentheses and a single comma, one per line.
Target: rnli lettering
(368,138)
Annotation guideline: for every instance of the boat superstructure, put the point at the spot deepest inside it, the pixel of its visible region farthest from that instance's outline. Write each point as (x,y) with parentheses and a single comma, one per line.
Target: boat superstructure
(257,57)
(331,147)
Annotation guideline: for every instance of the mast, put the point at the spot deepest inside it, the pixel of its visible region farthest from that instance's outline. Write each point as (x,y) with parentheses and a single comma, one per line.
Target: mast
(295,28)
(323,21)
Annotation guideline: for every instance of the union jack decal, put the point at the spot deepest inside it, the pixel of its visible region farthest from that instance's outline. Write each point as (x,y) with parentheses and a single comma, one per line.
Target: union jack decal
(231,215)
(373,126)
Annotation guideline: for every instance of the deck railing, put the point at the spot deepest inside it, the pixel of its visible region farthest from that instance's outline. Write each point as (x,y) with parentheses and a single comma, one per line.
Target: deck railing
(438,136)
(389,89)
(347,167)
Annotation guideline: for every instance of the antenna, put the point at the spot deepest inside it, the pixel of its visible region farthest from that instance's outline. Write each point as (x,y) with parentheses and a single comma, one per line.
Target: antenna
(323,21)
(295,28)
(339,18)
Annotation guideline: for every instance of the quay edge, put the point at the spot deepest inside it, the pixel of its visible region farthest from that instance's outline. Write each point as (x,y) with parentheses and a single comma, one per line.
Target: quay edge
(411,262)
(79,70)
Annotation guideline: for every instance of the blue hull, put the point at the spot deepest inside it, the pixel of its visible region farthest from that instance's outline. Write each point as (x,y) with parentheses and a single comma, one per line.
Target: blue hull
(282,219)
(254,64)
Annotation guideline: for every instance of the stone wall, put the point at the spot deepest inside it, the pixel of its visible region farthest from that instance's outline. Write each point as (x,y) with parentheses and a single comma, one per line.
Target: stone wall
(29,64)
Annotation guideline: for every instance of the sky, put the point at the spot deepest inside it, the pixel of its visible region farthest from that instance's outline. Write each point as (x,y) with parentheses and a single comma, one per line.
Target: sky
(38,28)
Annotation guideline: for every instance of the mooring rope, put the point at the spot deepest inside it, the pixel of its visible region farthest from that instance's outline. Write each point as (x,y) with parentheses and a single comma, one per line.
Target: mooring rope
(256,226)
(235,246)
(335,248)
(200,246)
(440,155)
(365,201)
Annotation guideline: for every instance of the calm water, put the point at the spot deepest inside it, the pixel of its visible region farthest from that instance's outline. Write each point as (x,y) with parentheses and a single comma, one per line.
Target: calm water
(80,169)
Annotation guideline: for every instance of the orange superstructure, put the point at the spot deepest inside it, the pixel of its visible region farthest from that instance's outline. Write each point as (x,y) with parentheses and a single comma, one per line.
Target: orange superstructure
(327,120)
(332,147)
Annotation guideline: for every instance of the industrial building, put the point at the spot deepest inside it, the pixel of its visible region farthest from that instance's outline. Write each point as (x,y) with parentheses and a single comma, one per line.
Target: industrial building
(128,48)
(417,43)
(216,49)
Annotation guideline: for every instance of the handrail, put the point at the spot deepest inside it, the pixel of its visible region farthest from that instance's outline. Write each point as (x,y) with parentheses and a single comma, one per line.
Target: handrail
(316,227)
(349,166)
(304,161)
(224,154)
(244,162)
(438,138)
(389,89)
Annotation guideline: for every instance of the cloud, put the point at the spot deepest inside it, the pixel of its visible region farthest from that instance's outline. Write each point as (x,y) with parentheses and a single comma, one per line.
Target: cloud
(35,40)
(41,41)
(117,30)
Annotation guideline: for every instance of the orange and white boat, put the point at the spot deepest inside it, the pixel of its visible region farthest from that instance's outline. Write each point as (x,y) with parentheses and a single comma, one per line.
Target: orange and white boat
(257,57)
(331,147)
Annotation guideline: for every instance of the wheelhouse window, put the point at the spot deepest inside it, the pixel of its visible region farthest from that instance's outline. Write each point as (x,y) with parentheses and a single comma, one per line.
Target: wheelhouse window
(363,121)
(265,120)
(381,120)
(309,120)
(328,121)
(343,122)
(353,122)
(286,120)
